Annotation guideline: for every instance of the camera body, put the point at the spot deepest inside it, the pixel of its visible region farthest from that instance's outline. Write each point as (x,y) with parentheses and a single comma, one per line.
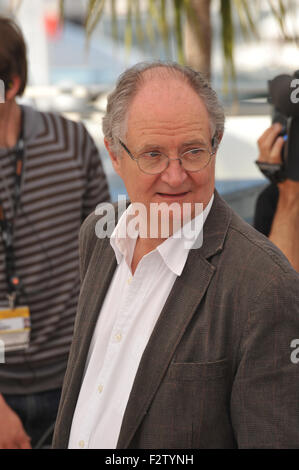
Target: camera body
(283,91)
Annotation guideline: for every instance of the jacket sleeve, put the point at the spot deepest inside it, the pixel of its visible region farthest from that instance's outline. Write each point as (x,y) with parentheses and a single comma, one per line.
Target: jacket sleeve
(264,399)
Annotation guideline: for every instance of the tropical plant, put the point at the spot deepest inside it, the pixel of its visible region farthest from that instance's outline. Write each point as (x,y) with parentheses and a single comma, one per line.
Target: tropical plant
(188,23)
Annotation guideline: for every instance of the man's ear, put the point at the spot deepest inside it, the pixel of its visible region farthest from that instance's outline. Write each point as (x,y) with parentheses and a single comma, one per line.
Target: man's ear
(220,135)
(114,158)
(216,141)
(12,88)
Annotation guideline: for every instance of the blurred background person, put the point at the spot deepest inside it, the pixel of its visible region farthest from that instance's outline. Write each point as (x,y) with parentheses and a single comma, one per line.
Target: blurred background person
(51,178)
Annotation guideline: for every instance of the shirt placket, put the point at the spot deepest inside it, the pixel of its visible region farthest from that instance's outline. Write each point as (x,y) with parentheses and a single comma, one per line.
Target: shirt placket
(133,286)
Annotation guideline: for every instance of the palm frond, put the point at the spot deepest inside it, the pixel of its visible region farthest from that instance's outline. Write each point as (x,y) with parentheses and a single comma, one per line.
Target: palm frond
(114,23)
(164,26)
(246,20)
(178,13)
(279,15)
(157,24)
(150,28)
(94,14)
(61,11)
(129,26)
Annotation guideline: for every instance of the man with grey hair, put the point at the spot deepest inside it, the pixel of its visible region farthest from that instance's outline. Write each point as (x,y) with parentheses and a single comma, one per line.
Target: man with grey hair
(178,346)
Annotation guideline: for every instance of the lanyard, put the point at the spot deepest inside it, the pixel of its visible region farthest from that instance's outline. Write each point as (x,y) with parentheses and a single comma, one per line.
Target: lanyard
(7,228)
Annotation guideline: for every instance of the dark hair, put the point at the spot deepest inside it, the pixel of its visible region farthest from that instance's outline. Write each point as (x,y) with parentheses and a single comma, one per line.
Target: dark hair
(13,59)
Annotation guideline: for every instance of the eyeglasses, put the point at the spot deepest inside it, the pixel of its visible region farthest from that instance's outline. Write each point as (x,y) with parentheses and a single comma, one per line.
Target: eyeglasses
(155,162)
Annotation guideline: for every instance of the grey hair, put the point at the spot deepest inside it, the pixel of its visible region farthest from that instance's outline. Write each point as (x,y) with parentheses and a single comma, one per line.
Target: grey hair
(130,82)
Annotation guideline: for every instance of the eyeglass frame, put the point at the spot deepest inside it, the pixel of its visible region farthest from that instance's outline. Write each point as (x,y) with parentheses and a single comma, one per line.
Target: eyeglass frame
(136,159)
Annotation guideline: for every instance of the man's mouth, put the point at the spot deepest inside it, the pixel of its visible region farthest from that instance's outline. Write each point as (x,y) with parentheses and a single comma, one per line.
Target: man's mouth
(173,195)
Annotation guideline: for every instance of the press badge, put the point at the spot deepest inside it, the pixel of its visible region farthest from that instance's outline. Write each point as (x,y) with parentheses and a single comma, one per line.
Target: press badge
(15,328)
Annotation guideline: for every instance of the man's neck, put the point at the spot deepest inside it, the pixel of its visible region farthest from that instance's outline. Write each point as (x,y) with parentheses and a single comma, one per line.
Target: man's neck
(10,124)
(143,247)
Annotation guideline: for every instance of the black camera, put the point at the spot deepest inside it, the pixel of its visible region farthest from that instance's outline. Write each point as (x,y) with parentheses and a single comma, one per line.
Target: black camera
(284,97)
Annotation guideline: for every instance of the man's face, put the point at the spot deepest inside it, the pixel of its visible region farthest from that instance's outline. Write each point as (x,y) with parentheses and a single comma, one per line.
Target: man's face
(169,116)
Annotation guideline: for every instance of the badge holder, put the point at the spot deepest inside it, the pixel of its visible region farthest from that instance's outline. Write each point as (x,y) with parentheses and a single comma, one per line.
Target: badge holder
(15,324)
(15,328)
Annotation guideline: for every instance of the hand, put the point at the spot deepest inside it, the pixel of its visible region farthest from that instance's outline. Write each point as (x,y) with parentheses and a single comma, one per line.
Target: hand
(270,145)
(270,148)
(12,433)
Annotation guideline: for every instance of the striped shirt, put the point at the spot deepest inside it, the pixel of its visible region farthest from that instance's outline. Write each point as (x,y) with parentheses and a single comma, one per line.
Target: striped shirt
(63,181)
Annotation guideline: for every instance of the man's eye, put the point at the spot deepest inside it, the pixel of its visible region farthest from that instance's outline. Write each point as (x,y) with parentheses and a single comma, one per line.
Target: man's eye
(194,152)
(150,155)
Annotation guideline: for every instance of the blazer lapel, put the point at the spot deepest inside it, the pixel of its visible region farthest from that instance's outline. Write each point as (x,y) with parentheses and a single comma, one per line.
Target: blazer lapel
(185,296)
(101,267)
(95,285)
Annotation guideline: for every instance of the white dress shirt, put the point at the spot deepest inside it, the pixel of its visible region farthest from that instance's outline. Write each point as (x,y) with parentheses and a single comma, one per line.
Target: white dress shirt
(127,318)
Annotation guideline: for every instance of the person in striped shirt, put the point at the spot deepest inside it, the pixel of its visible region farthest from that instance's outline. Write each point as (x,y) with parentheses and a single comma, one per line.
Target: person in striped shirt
(61,182)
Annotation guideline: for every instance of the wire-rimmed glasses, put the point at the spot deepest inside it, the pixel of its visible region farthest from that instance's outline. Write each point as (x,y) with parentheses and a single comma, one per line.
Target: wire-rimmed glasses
(155,162)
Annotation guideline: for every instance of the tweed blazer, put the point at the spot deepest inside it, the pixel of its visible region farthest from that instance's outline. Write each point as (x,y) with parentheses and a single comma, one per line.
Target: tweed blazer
(217,370)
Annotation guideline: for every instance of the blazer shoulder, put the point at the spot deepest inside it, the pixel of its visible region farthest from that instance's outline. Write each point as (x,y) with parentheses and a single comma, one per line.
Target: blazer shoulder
(107,214)
(96,229)
(261,249)
(87,228)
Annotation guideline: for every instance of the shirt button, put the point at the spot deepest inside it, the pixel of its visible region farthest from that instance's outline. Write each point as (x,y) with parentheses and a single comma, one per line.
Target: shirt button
(129,280)
(118,337)
(100,388)
(81,444)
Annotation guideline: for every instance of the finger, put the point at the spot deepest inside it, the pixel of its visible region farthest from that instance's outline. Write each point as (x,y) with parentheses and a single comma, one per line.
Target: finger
(271,132)
(25,444)
(25,441)
(267,139)
(276,151)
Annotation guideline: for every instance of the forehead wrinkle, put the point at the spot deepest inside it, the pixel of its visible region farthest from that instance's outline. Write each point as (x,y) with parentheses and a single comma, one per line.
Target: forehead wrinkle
(160,127)
(152,131)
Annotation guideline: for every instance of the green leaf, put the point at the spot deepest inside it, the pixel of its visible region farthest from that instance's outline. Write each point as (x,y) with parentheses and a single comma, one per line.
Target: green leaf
(245,17)
(114,23)
(94,14)
(164,27)
(178,13)
(279,14)
(129,27)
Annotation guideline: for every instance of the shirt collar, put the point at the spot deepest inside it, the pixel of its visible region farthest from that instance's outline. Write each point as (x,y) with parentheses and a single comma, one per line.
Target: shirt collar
(174,250)
(122,244)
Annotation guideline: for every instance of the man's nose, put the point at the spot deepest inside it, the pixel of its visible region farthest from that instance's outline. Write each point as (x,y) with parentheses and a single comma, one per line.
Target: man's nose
(175,174)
